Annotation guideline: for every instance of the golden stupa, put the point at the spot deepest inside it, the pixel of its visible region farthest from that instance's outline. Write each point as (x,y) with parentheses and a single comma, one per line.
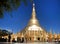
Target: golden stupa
(33,31)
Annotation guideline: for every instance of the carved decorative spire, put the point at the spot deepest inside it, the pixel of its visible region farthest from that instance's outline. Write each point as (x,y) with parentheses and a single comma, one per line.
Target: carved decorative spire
(50,30)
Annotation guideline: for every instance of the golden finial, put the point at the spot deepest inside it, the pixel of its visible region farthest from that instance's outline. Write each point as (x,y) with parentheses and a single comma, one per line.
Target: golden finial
(33,11)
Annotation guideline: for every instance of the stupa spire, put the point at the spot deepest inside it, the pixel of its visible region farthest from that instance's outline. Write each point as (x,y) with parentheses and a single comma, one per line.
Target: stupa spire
(50,30)
(33,20)
(33,12)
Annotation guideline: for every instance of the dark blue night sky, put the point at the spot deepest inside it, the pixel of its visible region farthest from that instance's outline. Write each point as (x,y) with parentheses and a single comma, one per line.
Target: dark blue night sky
(47,12)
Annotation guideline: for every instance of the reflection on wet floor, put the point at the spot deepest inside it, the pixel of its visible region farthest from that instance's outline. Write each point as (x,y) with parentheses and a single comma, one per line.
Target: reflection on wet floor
(31,43)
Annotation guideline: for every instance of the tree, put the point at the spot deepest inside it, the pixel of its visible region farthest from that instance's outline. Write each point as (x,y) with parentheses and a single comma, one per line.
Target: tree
(9,5)
(4,32)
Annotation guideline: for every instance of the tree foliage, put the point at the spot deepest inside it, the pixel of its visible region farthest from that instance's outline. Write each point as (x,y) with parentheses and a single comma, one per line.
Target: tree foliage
(4,32)
(9,5)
